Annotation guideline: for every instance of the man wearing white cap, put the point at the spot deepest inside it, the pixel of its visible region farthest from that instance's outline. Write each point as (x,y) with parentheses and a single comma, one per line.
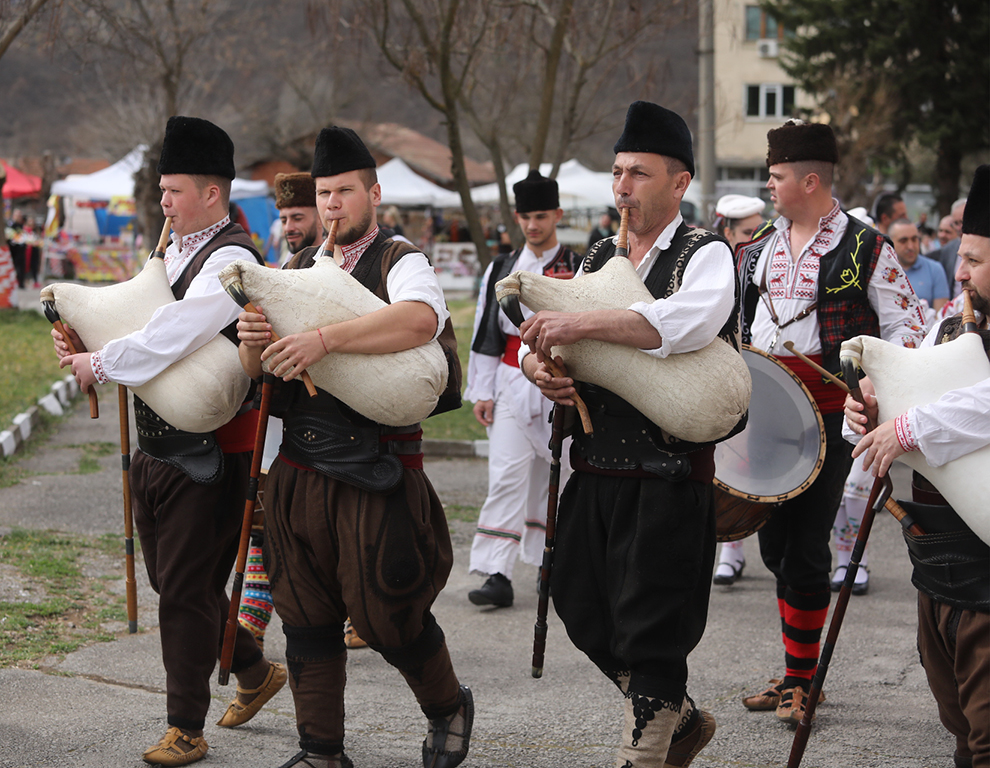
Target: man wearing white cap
(737,217)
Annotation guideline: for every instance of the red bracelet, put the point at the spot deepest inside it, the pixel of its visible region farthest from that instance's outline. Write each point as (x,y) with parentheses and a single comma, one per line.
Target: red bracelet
(325,350)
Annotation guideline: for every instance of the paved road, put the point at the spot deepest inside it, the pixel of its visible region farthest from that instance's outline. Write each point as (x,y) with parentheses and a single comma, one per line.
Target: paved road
(102,705)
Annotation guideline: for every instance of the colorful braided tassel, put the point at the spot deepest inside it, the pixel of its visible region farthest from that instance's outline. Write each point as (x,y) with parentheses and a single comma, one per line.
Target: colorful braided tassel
(256,599)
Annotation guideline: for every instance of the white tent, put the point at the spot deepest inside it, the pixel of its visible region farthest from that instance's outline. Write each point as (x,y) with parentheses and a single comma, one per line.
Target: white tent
(580,187)
(117,180)
(401,185)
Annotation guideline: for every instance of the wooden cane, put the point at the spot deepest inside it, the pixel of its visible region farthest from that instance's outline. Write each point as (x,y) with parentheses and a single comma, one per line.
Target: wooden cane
(543,606)
(125,464)
(230,629)
(882,487)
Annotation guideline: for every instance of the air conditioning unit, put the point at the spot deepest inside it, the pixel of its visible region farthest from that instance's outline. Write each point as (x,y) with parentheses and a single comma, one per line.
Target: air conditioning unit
(768,49)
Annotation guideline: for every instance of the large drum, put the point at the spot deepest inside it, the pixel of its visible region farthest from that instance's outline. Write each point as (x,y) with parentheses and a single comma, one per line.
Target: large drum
(776,457)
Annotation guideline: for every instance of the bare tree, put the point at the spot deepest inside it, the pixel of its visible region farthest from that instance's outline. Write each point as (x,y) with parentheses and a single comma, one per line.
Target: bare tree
(154,59)
(514,69)
(435,46)
(11,23)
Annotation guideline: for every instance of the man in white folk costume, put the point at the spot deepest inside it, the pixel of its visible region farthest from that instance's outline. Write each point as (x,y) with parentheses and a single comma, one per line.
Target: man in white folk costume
(512,522)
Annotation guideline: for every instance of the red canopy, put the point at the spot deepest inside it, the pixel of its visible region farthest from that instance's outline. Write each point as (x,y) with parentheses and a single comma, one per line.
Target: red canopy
(20,184)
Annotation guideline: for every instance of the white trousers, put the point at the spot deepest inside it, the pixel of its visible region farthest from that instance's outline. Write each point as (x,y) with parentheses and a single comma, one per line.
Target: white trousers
(512,522)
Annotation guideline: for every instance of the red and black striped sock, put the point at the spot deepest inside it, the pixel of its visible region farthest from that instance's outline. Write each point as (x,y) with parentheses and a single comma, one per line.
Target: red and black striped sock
(803,621)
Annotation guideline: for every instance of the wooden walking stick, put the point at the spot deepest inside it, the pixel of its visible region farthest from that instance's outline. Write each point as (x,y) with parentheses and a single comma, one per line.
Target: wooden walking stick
(125,463)
(553,492)
(230,629)
(879,495)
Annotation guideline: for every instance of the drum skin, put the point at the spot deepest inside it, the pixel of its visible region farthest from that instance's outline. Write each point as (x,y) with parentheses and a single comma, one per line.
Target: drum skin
(778,455)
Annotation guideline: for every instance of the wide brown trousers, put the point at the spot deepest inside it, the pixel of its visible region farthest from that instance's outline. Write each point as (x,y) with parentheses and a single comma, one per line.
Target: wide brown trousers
(189,536)
(333,550)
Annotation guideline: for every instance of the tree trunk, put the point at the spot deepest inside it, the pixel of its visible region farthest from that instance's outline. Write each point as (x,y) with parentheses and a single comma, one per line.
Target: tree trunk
(549,85)
(11,33)
(948,165)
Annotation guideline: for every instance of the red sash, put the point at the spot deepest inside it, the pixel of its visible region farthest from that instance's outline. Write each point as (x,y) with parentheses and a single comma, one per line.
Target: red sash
(828,397)
(511,354)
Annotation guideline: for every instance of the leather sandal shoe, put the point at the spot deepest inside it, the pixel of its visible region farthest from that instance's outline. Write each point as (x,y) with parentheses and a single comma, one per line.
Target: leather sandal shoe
(727,573)
(793,702)
(238,713)
(496,591)
(766,700)
(165,752)
(680,753)
(305,759)
(438,756)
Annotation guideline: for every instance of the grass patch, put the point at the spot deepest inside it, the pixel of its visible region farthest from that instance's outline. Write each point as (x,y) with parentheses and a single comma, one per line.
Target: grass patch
(71,608)
(30,365)
(461,512)
(89,461)
(459,424)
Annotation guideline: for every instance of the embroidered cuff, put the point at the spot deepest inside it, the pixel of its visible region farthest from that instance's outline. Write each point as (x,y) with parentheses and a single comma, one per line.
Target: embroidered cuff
(96,361)
(905,435)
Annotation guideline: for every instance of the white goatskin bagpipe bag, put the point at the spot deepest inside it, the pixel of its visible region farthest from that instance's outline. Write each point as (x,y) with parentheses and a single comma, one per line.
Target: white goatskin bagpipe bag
(199,393)
(695,396)
(904,378)
(396,389)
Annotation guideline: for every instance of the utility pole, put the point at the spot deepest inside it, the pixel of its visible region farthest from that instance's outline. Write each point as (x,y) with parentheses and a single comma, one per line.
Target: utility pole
(706,106)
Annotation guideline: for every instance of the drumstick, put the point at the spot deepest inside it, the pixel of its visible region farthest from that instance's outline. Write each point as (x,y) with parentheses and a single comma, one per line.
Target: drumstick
(789,346)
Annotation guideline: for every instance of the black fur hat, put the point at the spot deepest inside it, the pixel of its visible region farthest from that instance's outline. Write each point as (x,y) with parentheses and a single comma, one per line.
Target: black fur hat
(294,190)
(797,141)
(339,150)
(536,193)
(976,217)
(196,146)
(652,128)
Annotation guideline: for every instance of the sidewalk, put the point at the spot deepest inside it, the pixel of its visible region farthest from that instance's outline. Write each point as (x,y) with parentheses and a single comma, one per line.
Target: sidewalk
(103,705)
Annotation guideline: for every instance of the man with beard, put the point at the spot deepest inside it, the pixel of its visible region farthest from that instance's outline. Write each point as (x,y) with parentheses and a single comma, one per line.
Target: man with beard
(511,524)
(295,198)
(951,564)
(349,533)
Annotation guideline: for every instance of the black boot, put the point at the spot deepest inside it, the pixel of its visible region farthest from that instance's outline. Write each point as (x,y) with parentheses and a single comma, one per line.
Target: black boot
(496,591)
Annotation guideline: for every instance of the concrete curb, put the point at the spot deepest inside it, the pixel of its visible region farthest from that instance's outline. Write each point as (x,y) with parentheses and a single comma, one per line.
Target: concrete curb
(62,393)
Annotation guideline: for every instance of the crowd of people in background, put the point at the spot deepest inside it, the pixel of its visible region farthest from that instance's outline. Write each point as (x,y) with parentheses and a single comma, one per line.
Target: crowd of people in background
(25,235)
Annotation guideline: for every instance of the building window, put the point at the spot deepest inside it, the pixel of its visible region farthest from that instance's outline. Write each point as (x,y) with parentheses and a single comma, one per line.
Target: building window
(769,100)
(761,26)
